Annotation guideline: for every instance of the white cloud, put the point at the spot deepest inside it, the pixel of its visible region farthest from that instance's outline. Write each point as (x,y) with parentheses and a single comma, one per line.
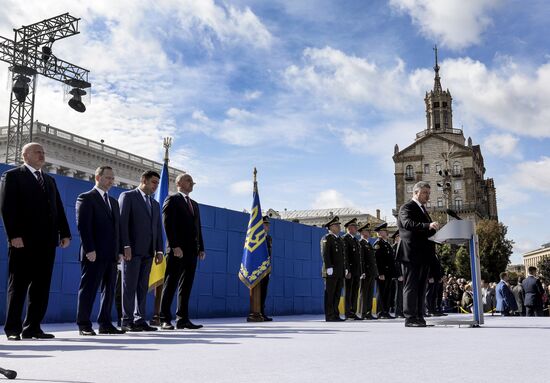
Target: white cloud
(534,175)
(357,141)
(252,95)
(455,24)
(241,187)
(502,145)
(331,199)
(345,79)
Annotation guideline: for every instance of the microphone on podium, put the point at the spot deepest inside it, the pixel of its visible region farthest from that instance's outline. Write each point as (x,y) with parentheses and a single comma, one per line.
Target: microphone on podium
(453,214)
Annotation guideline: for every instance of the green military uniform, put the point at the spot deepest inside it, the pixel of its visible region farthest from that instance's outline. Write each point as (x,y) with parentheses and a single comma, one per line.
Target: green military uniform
(332,253)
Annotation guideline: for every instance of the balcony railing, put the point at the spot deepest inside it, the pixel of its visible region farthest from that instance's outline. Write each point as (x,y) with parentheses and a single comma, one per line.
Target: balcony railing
(425,132)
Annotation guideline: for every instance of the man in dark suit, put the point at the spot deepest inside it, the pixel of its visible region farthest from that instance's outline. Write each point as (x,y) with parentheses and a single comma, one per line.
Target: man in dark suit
(35,224)
(141,239)
(352,250)
(369,273)
(506,303)
(385,262)
(182,223)
(416,253)
(533,292)
(98,221)
(333,269)
(398,278)
(265,280)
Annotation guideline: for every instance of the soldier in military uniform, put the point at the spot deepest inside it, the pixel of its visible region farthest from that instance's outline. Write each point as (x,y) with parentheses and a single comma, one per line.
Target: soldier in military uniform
(369,272)
(352,252)
(333,271)
(398,279)
(385,263)
(434,291)
(265,280)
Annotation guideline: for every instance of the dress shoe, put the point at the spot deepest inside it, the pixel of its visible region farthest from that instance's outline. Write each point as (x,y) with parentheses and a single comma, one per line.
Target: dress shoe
(145,327)
(86,331)
(37,335)
(266,318)
(413,323)
(155,321)
(190,325)
(368,317)
(335,319)
(110,330)
(13,337)
(421,321)
(352,317)
(167,326)
(131,328)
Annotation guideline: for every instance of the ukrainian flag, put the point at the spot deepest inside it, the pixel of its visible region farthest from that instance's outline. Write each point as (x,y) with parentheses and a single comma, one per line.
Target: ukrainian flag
(255,262)
(156,276)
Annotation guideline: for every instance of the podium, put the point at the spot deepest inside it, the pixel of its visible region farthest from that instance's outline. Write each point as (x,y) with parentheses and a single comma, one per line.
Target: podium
(459,232)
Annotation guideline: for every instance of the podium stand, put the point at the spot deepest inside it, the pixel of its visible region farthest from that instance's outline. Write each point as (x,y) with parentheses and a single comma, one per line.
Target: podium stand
(459,232)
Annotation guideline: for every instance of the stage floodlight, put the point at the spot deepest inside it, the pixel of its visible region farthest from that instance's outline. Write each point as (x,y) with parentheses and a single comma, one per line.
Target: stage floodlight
(21,87)
(76,101)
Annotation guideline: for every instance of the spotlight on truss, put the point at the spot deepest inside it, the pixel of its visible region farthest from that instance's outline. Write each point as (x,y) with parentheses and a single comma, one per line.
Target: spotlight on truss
(21,87)
(76,101)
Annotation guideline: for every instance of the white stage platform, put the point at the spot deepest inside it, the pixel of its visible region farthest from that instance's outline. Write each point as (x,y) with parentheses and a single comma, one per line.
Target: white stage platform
(291,349)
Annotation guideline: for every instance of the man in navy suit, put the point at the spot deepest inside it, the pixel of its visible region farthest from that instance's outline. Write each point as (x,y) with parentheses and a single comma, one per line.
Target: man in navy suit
(98,221)
(533,291)
(35,224)
(506,303)
(182,223)
(141,239)
(416,253)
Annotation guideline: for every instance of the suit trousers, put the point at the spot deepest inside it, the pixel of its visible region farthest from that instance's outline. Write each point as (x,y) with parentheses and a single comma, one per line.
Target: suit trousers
(135,283)
(263,291)
(352,293)
(384,296)
(398,297)
(533,311)
(29,274)
(367,293)
(431,294)
(98,274)
(180,274)
(333,291)
(414,289)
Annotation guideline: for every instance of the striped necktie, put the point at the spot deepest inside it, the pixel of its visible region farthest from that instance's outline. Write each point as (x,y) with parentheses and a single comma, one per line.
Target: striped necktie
(40,179)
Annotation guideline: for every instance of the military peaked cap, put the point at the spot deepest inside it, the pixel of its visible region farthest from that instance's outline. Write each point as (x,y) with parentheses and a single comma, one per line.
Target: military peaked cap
(396,234)
(382,226)
(334,221)
(364,227)
(266,219)
(351,222)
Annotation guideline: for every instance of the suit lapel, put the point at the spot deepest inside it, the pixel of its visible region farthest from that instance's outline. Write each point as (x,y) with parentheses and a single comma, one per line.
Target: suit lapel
(32,179)
(101,201)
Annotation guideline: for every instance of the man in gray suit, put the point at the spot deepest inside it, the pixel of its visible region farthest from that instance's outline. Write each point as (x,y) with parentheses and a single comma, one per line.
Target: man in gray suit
(141,237)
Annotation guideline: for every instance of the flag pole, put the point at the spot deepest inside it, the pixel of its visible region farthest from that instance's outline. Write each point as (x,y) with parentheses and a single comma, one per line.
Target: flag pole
(255,314)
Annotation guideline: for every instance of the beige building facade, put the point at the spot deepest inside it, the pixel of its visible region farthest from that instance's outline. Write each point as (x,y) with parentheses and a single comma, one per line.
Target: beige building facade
(452,165)
(78,157)
(533,257)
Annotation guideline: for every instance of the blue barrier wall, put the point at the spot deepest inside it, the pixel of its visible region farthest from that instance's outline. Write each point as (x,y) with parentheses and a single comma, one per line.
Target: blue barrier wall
(295,285)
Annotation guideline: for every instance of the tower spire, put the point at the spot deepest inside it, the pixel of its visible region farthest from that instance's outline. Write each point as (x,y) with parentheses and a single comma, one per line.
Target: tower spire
(437,79)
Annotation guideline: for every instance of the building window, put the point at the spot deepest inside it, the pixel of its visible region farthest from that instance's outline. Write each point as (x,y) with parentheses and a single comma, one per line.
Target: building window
(439,202)
(428,204)
(409,188)
(458,185)
(444,104)
(426,168)
(445,120)
(409,172)
(437,168)
(457,168)
(436,120)
(458,203)
(436,104)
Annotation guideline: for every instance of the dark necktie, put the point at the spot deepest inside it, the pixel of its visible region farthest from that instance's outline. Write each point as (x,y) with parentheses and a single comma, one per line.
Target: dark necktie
(106,198)
(148,202)
(426,212)
(189,205)
(40,180)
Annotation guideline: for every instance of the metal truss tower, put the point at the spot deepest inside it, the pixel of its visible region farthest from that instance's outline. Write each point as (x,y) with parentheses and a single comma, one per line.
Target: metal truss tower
(26,62)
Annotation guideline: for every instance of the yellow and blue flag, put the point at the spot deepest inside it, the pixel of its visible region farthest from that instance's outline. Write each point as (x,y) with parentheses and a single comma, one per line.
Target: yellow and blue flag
(156,276)
(256,263)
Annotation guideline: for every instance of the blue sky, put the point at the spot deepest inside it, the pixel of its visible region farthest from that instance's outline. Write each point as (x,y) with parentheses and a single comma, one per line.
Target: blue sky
(315,94)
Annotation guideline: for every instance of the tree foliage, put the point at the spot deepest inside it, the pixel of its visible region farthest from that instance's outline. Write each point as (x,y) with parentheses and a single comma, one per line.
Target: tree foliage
(462,262)
(544,269)
(494,249)
(446,255)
